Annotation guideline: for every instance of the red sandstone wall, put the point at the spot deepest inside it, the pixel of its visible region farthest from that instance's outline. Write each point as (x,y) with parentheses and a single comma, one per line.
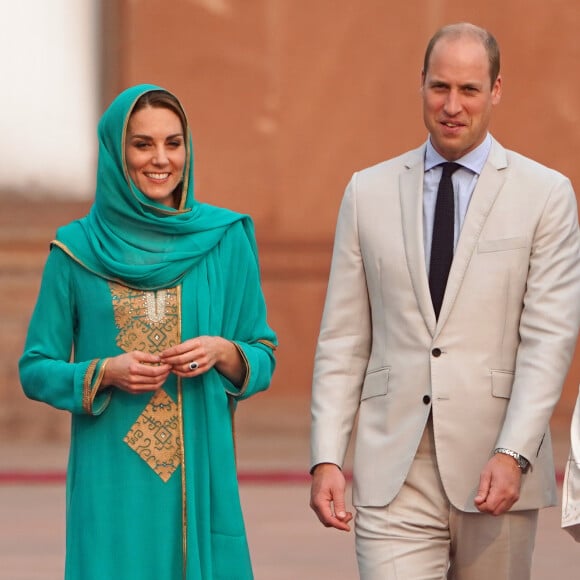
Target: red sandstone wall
(288,97)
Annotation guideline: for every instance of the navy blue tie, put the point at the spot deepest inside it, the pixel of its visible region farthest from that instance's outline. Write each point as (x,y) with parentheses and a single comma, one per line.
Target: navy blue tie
(443,237)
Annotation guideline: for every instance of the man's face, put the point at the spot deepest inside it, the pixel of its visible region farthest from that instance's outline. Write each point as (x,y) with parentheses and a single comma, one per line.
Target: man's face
(457,96)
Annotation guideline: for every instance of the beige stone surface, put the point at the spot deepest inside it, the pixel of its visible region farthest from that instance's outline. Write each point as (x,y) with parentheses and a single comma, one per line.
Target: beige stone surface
(286,540)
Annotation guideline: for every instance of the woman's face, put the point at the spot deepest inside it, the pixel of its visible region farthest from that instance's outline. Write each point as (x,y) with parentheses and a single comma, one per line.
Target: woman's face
(155,153)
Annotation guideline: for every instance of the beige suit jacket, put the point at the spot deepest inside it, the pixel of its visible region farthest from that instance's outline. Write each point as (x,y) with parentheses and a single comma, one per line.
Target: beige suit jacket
(491,369)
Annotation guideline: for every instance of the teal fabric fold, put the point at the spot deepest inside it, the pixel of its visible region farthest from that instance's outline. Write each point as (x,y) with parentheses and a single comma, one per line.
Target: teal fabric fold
(128,237)
(123,521)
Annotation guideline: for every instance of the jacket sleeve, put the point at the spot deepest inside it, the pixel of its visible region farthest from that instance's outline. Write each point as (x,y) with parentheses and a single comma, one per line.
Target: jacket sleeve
(548,325)
(47,373)
(344,342)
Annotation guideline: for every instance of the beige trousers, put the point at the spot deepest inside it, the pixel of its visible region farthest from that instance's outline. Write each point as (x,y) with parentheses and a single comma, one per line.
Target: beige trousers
(421,536)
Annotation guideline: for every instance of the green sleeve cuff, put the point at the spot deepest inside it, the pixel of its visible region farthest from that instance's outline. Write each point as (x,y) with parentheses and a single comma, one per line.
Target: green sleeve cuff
(95,401)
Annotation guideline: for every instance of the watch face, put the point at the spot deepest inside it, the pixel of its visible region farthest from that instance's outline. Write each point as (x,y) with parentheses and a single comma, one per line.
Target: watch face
(522,462)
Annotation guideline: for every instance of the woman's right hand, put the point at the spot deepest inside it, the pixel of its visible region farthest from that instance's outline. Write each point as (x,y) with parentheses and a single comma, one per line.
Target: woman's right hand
(135,372)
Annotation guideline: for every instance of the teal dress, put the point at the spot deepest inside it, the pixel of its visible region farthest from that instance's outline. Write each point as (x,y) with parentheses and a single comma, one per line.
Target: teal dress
(152,491)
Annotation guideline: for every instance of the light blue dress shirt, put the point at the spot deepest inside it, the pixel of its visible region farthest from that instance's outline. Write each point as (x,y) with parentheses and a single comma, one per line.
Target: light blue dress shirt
(464,181)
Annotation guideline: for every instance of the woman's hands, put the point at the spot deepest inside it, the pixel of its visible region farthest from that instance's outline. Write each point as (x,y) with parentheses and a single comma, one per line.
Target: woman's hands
(135,372)
(206,352)
(139,372)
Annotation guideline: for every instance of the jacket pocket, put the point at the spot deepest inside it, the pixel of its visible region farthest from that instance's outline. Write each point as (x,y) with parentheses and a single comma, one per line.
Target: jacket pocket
(502,383)
(376,384)
(502,244)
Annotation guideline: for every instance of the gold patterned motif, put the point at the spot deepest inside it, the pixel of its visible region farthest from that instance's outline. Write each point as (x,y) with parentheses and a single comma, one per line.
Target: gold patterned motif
(149,321)
(155,435)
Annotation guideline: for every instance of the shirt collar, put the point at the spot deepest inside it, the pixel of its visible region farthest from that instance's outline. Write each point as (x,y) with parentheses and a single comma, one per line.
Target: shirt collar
(474,160)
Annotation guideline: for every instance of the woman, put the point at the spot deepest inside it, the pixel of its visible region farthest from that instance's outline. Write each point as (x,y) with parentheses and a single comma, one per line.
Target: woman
(158,299)
(571,487)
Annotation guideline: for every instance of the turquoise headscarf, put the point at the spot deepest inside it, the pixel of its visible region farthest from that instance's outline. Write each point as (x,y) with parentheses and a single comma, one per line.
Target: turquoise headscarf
(126,236)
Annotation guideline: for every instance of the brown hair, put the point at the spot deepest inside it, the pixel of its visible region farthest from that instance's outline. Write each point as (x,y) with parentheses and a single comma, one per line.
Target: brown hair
(163,100)
(454,31)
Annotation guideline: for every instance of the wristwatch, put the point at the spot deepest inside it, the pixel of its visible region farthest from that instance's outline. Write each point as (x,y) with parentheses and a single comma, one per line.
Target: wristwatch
(523,463)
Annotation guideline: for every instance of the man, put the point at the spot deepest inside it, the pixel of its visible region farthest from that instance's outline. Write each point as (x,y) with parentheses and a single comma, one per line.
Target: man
(454,373)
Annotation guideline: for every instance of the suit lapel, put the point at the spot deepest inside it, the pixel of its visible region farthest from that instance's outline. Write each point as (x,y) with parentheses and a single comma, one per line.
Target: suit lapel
(488,187)
(411,196)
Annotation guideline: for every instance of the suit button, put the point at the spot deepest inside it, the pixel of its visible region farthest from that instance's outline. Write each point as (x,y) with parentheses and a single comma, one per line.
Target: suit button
(436,352)
(426,399)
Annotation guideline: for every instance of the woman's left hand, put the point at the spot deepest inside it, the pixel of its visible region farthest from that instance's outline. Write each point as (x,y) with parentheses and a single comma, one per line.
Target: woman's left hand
(198,355)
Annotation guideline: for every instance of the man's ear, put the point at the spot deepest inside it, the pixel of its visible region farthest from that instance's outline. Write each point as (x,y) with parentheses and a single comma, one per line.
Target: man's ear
(496,90)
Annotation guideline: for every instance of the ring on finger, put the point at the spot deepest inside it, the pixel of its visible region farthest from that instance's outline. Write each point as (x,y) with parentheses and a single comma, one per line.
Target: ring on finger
(193,365)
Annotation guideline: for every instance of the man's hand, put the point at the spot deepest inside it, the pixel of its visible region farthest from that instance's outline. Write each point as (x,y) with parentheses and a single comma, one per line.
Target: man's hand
(499,485)
(327,496)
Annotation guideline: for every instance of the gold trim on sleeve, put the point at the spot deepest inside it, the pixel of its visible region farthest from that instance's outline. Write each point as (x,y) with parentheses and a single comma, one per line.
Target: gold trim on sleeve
(87,390)
(244,385)
(98,380)
(267,343)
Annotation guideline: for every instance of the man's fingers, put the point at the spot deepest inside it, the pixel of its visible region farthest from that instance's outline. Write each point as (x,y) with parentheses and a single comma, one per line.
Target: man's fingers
(484,487)
(329,517)
(495,509)
(330,521)
(499,486)
(344,517)
(323,512)
(339,508)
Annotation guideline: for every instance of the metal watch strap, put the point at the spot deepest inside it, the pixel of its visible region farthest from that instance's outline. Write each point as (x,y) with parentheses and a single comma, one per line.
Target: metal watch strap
(523,463)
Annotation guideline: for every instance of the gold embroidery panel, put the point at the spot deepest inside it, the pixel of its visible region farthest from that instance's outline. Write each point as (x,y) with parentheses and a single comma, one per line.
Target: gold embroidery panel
(149,321)
(155,435)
